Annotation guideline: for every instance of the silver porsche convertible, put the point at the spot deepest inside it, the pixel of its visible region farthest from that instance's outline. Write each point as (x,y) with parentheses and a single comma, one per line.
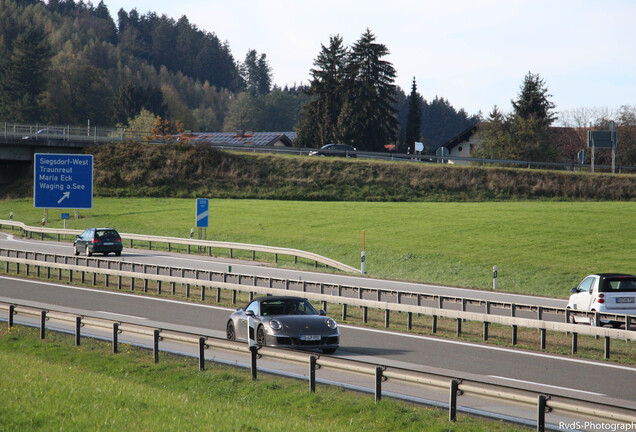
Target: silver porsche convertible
(290,322)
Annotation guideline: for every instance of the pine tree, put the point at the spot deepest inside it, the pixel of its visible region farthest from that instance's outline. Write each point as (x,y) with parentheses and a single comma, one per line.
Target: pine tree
(414,119)
(23,78)
(533,101)
(370,93)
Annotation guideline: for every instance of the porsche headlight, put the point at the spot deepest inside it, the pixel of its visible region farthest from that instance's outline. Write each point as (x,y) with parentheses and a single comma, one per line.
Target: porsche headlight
(331,324)
(275,324)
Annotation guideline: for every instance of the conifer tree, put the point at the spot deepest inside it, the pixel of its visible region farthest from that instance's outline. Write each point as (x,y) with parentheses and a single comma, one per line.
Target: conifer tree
(370,93)
(414,119)
(533,101)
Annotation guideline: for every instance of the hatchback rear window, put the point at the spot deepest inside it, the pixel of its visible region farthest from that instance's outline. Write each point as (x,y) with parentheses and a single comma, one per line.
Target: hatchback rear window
(619,284)
(106,234)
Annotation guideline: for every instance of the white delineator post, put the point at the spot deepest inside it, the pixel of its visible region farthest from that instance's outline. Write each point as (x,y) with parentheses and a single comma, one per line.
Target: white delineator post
(494,277)
(362,256)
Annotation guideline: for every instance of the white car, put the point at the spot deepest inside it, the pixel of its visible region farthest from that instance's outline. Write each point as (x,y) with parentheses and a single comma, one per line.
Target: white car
(612,293)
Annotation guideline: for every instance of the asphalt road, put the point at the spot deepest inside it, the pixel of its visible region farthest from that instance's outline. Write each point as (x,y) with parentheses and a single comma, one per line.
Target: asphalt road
(559,375)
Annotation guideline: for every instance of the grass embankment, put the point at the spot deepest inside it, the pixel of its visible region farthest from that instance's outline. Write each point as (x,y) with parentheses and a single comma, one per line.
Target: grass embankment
(188,171)
(54,385)
(540,248)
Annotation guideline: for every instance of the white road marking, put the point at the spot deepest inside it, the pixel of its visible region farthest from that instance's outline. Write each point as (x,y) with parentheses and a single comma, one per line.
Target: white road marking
(546,385)
(493,348)
(121,315)
(366,329)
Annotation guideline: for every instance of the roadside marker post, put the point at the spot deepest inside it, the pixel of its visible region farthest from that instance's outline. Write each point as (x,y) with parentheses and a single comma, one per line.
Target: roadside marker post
(362,255)
(494,278)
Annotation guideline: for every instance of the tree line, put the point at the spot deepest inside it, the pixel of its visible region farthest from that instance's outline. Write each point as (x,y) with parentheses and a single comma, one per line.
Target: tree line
(68,62)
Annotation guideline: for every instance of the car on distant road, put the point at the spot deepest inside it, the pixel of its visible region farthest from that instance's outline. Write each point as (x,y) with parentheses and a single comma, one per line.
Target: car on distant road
(612,293)
(44,134)
(335,150)
(98,240)
(285,321)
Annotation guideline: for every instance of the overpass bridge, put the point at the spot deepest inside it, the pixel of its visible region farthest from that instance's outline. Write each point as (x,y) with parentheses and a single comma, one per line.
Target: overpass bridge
(19,142)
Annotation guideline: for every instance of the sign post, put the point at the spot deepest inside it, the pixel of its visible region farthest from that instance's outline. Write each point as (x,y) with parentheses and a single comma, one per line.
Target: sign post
(362,255)
(63,181)
(203,215)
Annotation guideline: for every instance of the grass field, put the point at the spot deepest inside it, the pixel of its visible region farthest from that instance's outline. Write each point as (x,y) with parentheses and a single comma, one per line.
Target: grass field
(540,248)
(54,385)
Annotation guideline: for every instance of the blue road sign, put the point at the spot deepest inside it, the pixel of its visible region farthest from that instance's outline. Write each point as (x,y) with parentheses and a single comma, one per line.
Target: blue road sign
(203,212)
(63,181)
(66,215)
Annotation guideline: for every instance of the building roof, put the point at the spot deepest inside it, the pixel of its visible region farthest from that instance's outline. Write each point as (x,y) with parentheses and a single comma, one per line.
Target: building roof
(246,138)
(461,137)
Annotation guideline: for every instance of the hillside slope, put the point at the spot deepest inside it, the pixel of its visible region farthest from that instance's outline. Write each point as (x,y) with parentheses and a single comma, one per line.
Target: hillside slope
(184,170)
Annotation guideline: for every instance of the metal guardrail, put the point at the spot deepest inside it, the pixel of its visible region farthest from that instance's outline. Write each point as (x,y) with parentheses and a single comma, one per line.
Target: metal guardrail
(460,315)
(390,295)
(100,135)
(193,243)
(455,385)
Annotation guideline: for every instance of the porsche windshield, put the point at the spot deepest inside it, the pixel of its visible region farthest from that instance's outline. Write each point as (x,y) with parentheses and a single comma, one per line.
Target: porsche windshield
(287,307)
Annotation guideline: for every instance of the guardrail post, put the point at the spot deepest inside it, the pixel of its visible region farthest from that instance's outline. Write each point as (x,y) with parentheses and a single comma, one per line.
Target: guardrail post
(115,336)
(94,278)
(42,324)
(452,404)
(119,282)
(386,318)
(202,292)
(378,384)
(459,326)
(254,356)
(173,287)
(409,320)
(11,313)
(543,338)
(434,325)
(312,374)
(567,315)
(145,285)
(575,337)
(201,353)
(541,410)
(233,296)
(159,287)
(514,334)
(606,351)
(106,280)
(344,311)
(365,312)
(539,313)
(485,331)
(132,283)
(218,295)
(155,345)
(78,326)
(187,290)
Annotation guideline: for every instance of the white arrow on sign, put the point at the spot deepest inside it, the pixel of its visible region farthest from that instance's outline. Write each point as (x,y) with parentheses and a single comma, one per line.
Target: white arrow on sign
(64,196)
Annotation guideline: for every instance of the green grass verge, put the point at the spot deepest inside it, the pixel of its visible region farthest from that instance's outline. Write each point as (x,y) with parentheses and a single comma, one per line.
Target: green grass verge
(54,385)
(540,248)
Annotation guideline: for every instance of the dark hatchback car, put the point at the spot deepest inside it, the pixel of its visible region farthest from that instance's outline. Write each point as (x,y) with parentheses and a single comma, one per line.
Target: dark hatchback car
(343,150)
(98,240)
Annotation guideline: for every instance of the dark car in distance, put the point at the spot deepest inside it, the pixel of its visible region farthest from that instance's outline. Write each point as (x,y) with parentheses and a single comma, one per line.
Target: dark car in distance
(98,240)
(343,150)
(286,322)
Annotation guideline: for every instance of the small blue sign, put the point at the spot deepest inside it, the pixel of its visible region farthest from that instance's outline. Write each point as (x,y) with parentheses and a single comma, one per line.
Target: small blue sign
(203,212)
(66,215)
(63,181)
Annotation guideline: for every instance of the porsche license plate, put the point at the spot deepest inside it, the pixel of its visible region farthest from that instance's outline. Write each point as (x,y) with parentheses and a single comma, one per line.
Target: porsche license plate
(310,337)
(625,300)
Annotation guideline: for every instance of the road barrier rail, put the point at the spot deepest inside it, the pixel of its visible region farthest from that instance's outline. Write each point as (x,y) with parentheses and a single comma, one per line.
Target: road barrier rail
(189,244)
(611,411)
(409,309)
(346,291)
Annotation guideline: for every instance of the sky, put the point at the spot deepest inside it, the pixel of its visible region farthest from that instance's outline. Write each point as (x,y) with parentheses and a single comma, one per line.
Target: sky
(473,53)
